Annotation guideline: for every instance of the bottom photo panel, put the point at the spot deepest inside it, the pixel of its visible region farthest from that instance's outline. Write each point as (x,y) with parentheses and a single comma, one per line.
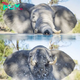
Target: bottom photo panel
(39,57)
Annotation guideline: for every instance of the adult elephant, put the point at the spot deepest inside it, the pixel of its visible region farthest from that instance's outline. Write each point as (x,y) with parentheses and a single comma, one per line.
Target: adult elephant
(41,18)
(39,63)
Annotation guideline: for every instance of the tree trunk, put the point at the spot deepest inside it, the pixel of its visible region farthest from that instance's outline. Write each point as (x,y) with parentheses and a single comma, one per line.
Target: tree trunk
(17,45)
(19,1)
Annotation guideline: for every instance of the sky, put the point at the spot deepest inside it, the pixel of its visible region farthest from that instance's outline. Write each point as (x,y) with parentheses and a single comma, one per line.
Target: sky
(73,5)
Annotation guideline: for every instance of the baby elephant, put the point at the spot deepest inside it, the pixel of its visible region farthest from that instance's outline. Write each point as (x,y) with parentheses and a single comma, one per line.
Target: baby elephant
(40,18)
(39,63)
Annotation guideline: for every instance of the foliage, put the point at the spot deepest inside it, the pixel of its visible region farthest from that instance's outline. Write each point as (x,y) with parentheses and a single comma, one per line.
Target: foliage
(1,8)
(76,62)
(1,5)
(1,17)
(3,75)
(25,1)
(77,28)
(77,76)
(53,46)
(5,50)
(56,1)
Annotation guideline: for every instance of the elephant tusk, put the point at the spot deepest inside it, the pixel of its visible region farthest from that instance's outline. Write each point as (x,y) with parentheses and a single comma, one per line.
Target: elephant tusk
(33,62)
(36,31)
(57,32)
(52,63)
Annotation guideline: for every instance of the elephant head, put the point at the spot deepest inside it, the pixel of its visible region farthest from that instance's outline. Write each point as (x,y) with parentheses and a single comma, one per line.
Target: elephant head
(39,64)
(42,19)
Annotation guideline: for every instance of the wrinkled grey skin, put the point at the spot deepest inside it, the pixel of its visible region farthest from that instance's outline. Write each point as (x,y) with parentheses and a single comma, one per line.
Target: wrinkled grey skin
(40,19)
(18,65)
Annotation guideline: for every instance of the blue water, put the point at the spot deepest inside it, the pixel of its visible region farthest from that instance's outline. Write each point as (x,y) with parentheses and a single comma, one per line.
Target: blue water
(67,43)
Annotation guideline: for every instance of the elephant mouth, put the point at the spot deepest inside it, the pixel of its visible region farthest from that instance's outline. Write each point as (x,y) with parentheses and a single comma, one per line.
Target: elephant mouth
(47,31)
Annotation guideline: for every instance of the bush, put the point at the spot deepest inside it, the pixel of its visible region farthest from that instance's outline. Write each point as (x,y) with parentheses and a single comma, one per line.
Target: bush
(77,76)
(5,51)
(77,28)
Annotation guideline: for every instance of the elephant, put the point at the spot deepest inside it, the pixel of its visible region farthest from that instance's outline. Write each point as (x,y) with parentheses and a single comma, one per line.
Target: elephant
(39,63)
(41,18)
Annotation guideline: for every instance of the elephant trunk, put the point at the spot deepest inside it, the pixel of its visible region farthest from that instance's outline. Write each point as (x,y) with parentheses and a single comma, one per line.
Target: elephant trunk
(45,26)
(46,29)
(52,26)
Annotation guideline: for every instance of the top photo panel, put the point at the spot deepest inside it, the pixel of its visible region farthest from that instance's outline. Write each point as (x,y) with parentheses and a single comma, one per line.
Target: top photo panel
(42,18)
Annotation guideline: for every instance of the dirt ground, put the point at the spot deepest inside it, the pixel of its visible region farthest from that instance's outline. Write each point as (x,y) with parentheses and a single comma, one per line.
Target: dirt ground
(5,30)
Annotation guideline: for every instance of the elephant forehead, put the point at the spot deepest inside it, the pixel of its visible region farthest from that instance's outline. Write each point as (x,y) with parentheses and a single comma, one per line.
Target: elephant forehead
(42,11)
(41,53)
(38,49)
(41,57)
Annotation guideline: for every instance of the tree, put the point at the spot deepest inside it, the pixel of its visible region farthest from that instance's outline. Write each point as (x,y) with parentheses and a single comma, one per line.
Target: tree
(5,50)
(51,2)
(19,1)
(2,11)
(77,27)
(25,1)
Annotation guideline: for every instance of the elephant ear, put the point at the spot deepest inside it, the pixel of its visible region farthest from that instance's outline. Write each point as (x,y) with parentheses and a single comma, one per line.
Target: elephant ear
(64,19)
(16,65)
(64,65)
(19,20)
